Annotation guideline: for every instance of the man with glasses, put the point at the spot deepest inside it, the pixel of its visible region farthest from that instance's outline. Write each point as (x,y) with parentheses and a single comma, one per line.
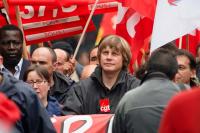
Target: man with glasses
(11,48)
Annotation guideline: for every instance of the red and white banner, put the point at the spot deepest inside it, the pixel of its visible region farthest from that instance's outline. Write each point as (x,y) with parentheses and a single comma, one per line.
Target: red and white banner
(42,24)
(56,2)
(55,29)
(81,2)
(48,12)
(101,123)
(34,2)
(173,19)
(40,13)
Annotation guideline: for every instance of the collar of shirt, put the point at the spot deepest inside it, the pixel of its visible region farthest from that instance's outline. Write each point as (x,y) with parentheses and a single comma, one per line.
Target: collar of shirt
(17,68)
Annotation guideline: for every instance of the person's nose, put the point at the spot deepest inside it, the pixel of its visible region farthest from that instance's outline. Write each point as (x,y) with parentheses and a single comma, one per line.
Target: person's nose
(11,45)
(35,86)
(109,56)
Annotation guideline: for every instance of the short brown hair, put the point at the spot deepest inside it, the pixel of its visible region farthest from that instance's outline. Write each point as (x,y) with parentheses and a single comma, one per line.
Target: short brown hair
(118,43)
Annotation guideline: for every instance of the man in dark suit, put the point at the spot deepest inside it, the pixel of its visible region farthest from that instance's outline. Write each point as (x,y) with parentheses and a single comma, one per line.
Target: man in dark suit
(11,48)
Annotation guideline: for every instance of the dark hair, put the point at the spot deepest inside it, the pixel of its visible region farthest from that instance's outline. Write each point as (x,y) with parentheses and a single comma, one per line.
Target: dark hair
(197,48)
(10,27)
(64,46)
(140,73)
(96,46)
(163,61)
(40,70)
(170,47)
(182,52)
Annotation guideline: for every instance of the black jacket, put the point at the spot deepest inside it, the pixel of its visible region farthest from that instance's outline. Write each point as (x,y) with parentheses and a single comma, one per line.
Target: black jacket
(25,65)
(61,86)
(34,118)
(85,96)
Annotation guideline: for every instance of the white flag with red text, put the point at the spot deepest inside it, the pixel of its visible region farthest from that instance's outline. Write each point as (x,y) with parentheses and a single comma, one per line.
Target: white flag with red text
(173,19)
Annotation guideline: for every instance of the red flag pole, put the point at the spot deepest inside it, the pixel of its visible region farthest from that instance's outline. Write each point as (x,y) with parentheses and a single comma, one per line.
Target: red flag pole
(19,21)
(187,42)
(84,30)
(180,43)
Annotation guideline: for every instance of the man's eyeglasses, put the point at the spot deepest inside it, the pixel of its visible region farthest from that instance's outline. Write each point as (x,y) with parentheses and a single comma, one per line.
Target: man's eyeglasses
(37,82)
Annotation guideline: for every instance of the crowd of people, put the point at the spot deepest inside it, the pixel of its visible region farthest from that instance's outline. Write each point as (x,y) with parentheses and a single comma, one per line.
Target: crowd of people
(51,83)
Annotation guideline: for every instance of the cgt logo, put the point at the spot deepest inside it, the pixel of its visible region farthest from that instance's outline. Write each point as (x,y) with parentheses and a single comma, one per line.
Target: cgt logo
(105,109)
(104,105)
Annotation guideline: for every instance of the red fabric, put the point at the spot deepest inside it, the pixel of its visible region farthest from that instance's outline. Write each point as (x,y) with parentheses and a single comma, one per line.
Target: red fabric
(9,112)
(36,13)
(183,114)
(49,27)
(144,7)
(33,2)
(70,2)
(143,30)
(193,42)
(108,24)
(1,4)
(96,123)
(2,21)
(57,31)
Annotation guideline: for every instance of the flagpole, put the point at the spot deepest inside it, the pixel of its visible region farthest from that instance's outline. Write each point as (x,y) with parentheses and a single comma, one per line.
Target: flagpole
(187,42)
(5,3)
(19,21)
(180,43)
(84,30)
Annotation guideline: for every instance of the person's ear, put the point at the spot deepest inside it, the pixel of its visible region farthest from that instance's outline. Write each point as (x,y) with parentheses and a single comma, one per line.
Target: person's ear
(55,65)
(193,73)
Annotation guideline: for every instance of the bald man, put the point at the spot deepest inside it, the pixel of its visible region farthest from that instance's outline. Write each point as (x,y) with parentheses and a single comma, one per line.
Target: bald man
(60,84)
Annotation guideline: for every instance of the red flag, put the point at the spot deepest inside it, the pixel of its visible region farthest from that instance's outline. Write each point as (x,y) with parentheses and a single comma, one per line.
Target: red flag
(39,28)
(37,13)
(33,2)
(81,2)
(135,29)
(144,7)
(190,42)
(1,4)
(107,25)
(2,20)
